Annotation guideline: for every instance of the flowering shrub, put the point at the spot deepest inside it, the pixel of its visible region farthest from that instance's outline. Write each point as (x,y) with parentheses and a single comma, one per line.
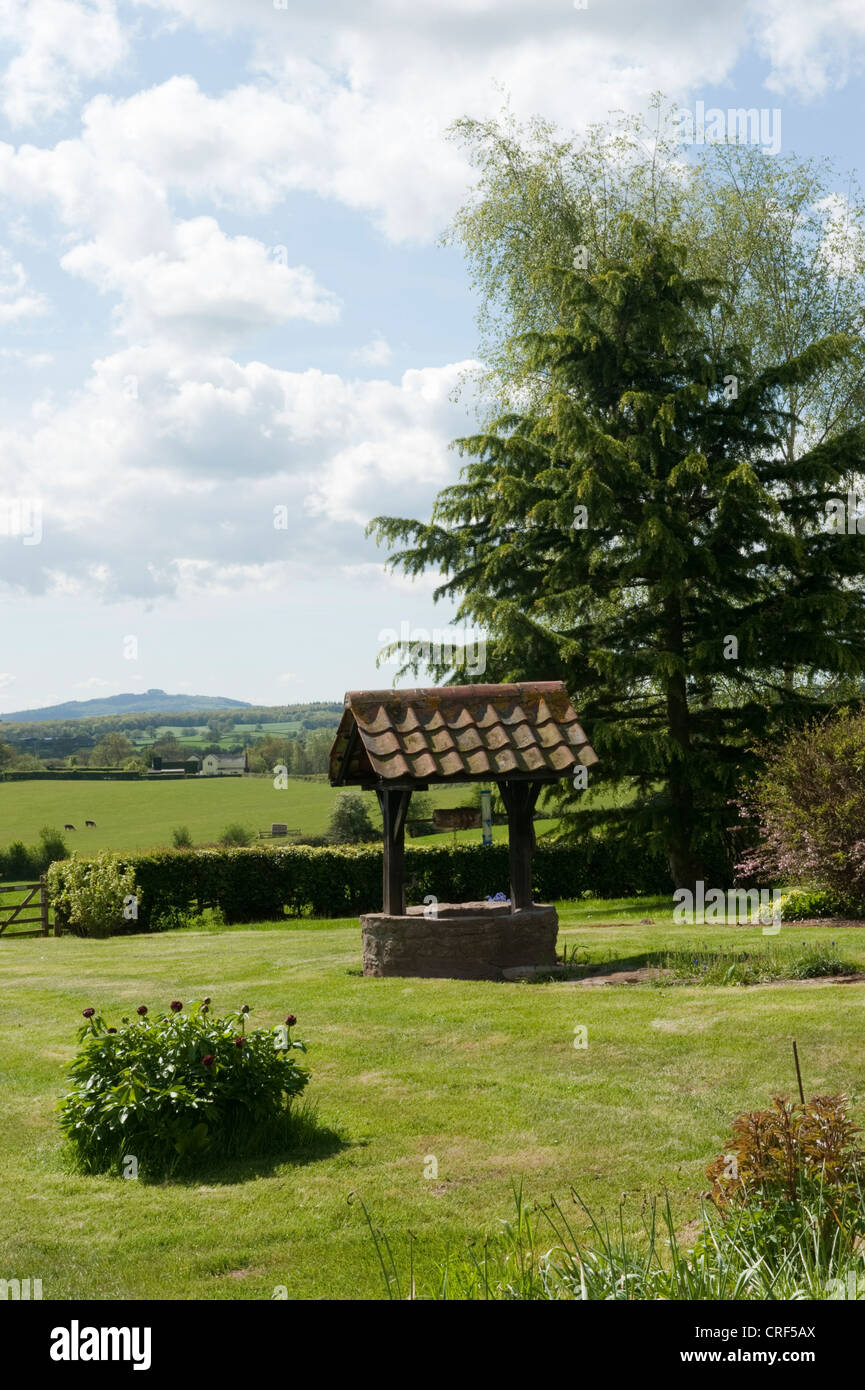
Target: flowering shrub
(93,897)
(164,1089)
(809,808)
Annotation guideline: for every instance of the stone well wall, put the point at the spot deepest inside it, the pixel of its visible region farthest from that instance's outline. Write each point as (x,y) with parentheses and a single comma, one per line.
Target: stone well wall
(465,941)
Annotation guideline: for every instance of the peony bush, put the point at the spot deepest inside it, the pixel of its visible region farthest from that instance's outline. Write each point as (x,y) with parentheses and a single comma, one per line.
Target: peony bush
(158,1092)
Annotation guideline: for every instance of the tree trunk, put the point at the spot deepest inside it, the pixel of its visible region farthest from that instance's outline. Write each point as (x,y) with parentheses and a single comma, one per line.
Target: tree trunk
(684,861)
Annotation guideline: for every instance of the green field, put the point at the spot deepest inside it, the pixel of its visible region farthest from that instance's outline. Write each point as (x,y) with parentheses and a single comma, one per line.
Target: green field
(483,1077)
(198,733)
(141,815)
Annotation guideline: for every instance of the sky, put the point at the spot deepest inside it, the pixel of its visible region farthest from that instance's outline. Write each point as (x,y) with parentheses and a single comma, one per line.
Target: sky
(229,334)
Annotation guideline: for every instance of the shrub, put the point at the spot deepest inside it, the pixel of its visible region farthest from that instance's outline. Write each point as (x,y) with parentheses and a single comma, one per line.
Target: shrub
(18,861)
(235,834)
(93,897)
(350,822)
(169,1089)
(800,904)
(53,846)
(781,1163)
(181,838)
(809,807)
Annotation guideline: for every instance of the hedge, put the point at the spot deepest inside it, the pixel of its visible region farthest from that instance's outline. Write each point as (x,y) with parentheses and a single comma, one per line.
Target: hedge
(73,774)
(261,884)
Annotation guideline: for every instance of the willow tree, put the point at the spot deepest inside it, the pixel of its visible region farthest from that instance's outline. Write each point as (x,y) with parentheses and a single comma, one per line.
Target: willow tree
(638,528)
(785,236)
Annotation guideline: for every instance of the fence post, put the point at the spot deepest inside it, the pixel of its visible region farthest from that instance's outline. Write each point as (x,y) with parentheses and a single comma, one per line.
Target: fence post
(43,905)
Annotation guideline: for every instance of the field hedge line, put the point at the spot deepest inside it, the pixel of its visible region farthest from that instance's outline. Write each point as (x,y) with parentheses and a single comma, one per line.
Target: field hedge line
(259,884)
(73,774)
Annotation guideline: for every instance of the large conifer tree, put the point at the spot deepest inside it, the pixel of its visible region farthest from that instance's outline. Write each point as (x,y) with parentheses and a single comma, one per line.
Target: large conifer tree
(642,535)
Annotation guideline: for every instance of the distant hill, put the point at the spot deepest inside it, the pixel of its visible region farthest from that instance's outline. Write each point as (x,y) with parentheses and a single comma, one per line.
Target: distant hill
(146,702)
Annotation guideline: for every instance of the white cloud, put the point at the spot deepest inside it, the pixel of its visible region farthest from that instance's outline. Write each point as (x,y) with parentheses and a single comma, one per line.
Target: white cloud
(92,683)
(376,353)
(207,288)
(17,300)
(5,679)
(353,107)
(811,47)
(57,42)
(148,500)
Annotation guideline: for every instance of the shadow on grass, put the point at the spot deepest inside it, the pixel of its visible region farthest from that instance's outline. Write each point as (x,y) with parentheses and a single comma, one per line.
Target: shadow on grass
(709,964)
(306,1141)
(302,1140)
(226,1172)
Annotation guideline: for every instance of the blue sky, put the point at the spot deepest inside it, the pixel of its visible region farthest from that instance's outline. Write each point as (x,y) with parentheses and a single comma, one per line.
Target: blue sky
(221,292)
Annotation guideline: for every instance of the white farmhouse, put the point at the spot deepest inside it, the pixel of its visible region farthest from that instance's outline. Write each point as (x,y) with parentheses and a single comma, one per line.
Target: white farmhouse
(224,765)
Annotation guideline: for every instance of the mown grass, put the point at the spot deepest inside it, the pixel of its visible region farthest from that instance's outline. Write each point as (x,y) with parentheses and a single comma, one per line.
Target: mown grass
(477,1085)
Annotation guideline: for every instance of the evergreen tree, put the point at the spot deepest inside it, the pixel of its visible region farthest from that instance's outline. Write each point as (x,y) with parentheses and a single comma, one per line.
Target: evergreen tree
(641,534)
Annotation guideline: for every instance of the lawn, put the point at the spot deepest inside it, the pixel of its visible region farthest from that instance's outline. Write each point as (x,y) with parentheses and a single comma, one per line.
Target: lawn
(482,1077)
(141,815)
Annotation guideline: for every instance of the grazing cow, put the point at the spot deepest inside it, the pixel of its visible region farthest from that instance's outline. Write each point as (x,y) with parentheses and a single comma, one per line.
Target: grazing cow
(91,822)
(69,827)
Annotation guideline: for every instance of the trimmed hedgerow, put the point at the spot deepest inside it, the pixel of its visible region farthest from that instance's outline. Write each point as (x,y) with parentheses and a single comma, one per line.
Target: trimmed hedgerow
(73,774)
(258,884)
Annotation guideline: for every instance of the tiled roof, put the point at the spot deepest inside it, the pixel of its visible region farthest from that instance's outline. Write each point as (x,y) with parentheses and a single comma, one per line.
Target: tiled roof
(455,733)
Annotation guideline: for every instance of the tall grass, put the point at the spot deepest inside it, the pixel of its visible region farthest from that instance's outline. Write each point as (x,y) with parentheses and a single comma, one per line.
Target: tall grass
(743,1257)
(712,964)
(715,965)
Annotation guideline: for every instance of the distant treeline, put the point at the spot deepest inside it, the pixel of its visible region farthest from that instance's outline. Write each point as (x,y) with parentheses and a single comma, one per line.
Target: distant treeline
(51,739)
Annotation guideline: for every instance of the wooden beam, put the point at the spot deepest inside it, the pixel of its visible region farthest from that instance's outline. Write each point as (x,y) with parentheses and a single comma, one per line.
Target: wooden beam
(351,741)
(520,798)
(43,904)
(394,807)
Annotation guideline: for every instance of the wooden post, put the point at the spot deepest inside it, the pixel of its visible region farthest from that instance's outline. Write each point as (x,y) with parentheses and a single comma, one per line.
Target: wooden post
(43,904)
(519,799)
(394,805)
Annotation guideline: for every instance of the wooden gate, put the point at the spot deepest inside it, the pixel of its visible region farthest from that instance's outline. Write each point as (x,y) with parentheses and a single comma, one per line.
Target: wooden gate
(32,908)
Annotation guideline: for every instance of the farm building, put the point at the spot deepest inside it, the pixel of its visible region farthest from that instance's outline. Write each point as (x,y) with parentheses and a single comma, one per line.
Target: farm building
(174,767)
(224,764)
